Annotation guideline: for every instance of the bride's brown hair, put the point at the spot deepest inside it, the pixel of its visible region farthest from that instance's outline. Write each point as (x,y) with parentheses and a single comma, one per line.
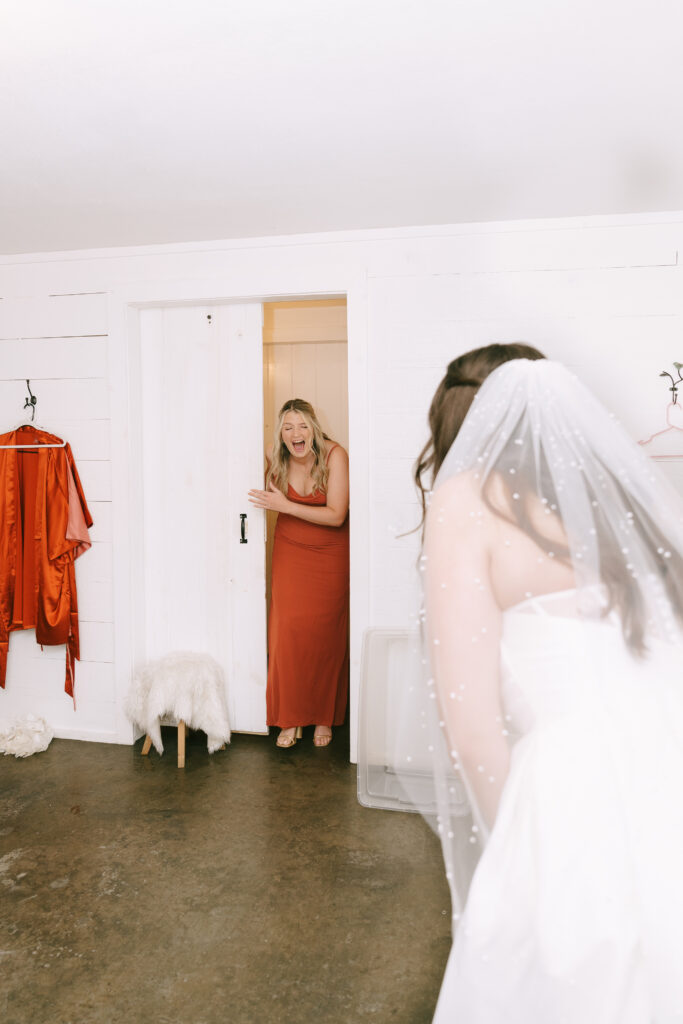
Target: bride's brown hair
(452,400)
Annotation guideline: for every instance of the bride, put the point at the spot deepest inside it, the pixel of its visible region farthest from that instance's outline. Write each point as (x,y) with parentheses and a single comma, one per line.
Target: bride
(553,585)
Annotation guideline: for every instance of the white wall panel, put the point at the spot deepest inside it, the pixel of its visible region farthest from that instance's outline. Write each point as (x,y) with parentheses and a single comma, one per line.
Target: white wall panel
(392,479)
(57,399)
(627,292)
(96,479)
(24,648)
(95,565)
(101,511)
(410,342)
(427,343)
(406,390)
(520,250)
(398,520)
(97,641)
(90,720)
(32,670)
(397,568)
(619,336)
(394,607)
(95,721)
(95,601)
(53,316)
(95,680)
(90,440)
(399,436)
(42,673)
(53,357)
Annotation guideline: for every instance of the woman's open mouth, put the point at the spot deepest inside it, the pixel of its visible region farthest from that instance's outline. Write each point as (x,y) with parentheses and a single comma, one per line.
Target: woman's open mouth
(298,446)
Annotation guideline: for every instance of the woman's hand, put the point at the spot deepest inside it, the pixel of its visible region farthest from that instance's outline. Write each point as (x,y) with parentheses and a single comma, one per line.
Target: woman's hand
(335,509)
(272,499)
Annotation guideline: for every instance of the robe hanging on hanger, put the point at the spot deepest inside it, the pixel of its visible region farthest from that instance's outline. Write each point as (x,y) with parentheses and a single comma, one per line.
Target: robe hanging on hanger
(44,522)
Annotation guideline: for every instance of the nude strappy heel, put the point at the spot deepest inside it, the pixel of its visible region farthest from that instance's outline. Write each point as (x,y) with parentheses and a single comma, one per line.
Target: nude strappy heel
(291,740)
(324,739)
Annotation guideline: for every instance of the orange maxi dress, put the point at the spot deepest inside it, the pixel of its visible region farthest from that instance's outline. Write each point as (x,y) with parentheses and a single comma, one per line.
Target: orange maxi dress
(308,652)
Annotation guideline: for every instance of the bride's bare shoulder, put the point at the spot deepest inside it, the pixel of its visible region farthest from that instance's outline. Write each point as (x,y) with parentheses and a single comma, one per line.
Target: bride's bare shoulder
(458,499)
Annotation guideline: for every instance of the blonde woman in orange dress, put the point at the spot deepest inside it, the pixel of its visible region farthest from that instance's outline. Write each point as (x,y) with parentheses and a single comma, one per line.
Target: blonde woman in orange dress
(307,484)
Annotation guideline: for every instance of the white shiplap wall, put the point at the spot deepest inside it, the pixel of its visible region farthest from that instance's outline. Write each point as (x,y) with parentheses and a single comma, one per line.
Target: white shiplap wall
(59,342)
(603,294)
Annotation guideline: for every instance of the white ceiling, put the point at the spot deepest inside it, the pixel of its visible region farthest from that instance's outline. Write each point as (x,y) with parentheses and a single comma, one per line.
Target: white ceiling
(128,122)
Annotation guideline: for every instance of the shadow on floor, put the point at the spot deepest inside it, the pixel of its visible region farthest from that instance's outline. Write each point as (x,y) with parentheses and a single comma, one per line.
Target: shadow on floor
(249,887)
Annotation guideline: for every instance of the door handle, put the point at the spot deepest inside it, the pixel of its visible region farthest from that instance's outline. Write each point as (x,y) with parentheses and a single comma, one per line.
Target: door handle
(243,528)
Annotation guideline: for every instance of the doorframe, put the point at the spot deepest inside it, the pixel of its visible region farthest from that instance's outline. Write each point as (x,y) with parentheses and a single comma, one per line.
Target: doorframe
(124,306)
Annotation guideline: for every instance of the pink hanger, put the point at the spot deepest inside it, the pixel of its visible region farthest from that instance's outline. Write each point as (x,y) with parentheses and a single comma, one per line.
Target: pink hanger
(665,430)
(672,456)
(670,428)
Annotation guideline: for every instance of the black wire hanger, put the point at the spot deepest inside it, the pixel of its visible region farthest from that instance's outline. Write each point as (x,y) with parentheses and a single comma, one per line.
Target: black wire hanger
(30,403)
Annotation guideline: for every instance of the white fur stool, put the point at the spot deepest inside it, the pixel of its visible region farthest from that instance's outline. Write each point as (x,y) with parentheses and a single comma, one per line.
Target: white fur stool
(183,689)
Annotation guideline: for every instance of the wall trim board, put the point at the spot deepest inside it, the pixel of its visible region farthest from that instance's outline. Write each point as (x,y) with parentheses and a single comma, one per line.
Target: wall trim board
(124,331)
(89,735)
(358,235)
(358,342)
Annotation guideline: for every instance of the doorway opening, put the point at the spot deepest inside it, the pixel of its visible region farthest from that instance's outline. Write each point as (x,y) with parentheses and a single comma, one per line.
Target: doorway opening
(305,355)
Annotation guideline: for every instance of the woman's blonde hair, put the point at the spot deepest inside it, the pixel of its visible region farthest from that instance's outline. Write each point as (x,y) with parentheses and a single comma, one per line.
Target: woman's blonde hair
(278,471)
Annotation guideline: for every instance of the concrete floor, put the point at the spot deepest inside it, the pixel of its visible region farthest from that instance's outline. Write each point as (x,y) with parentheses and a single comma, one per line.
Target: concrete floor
(250,887)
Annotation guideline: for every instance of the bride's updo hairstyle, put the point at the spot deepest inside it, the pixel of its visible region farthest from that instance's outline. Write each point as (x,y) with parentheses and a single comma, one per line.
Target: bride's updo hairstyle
(453,398)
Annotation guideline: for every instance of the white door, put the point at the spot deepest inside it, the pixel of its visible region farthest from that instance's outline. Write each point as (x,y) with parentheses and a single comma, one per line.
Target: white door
(202,449)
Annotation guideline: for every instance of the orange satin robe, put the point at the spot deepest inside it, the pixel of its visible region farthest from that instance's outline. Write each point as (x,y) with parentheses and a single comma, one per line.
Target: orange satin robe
(44,522)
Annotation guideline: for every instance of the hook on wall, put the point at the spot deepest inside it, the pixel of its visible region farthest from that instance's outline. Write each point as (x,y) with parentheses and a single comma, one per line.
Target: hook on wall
(674,383)
(31,401)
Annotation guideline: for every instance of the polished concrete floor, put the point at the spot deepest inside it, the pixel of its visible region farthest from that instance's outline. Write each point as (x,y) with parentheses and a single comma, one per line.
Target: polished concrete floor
(249,887)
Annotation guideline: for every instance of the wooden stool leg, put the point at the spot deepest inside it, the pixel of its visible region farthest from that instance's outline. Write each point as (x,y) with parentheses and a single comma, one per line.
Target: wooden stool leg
(181,744)
(146,745)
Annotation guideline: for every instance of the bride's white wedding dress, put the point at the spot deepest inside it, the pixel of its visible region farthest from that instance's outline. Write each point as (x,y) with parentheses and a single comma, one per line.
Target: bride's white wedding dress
(575,912)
